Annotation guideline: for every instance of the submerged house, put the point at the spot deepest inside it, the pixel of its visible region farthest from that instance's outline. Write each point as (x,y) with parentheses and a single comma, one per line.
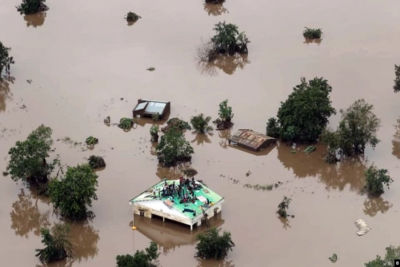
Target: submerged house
(251,140)
(155,201)
(148,108)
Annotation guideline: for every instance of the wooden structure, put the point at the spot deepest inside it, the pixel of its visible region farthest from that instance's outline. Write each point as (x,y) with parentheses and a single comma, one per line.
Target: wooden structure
(152,202)
(251,140)
(148,108)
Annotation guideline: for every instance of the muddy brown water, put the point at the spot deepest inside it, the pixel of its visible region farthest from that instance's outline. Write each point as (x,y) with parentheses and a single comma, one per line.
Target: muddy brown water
(82,59)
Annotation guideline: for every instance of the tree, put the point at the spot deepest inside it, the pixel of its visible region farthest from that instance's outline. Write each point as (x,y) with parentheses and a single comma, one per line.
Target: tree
(375,179)
(73,194)
(140,258)
(304,115)
(29,7)
(57,245)
(28,158)
(357,129)
(177,124)
(228,39)
(396,86)
(173,148)
(96,162)
(225,111)
(392,253)
(212,245)
(154,133)
(273,128)
(5,59)
(200,124)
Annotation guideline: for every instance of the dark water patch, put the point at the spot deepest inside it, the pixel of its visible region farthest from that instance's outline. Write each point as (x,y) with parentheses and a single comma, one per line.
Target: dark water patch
(373,206)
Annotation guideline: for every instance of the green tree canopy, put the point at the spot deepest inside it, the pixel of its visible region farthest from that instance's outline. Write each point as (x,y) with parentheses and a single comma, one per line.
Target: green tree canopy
(229,39)
(304,115)
(57,245)
(5,59)
(28,158)
(173,147)
(392,253)
(29,7)
(375,179)
(358,128)
(73,194)
(140,258)
(212,245)
(200,124)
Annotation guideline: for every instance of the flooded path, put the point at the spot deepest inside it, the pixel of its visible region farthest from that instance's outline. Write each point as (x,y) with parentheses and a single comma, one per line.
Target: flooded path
(80,63)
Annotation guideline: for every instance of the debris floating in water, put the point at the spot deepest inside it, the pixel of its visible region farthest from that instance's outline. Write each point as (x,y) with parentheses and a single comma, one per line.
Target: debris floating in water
(133,227)
(333,258)
(362,227)
(151,69)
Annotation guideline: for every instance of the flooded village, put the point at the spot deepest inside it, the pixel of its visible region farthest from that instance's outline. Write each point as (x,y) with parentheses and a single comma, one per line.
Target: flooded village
(106,78)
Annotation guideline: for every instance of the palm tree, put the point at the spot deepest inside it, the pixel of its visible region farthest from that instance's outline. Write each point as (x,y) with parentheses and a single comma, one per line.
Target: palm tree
(200,124)
(57,245)
(213,245)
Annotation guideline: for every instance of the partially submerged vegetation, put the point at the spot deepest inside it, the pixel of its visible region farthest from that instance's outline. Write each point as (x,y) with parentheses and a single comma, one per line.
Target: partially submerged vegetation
(358,127)
(375,180)
(305,114)
(392,253)
(283,206)
(132,17)
(91,141)
(29,158)
(214,1)
(154,133)
(80,179)
(396,86)
(96,162)
(140,258)
(176,124)
(173,148)
(312,34)
(29,7)
(5,59)
(125,124)
(225,116)
(268,187)
(212,245)
(200,124)
(56,242)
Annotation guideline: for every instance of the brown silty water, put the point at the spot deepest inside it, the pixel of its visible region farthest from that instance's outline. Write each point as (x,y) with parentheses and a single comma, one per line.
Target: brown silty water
(81,59)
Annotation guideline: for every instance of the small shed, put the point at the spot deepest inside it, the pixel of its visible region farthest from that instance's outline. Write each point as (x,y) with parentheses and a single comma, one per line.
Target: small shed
(148,108)
(251,140)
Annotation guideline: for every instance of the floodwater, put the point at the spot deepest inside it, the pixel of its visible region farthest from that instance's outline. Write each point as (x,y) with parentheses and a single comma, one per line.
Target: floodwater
(81,62)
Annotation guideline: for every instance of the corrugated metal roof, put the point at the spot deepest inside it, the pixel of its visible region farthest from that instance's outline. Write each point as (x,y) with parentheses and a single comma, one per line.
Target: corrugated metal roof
(141,106)
(155,107)
(249,138)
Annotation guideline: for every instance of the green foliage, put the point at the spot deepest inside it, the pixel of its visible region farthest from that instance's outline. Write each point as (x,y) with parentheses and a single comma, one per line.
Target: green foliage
(304,115)
(28,158)
(312,33)
(283,206)
(91,141)
(273,128)
(173,148)
(200,124)
(96,162)
(74,193)
(156,117)
(212,245)
(392,253)
(357,128)
(333,258)
(140,258)
(57,245)
(229,39)
(29,7)
(5,59)
(132,17)
(396,86)
(177,124)
(375,179)
(125,124)
(154,133)
(309,149)
(225,111)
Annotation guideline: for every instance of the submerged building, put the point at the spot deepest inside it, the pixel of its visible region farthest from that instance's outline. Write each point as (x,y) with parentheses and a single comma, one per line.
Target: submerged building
(148,108)
(251,140)
(191,204)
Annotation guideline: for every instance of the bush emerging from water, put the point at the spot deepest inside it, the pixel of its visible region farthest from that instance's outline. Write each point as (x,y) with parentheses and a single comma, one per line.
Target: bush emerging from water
(57,245)
(200,124)
(140,258)
(29,7)
(212,245)
(125,124)
(132,17)
(154,133)
(375,180)
(177,124)
(5,59)
(312,34)
(229,40)
(283,206)
(215,1)
(396,86)
(392,253)
(91,141)
(96,162)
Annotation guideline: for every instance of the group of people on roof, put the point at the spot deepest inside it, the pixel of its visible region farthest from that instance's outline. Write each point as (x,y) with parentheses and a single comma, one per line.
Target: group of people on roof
(184,190)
